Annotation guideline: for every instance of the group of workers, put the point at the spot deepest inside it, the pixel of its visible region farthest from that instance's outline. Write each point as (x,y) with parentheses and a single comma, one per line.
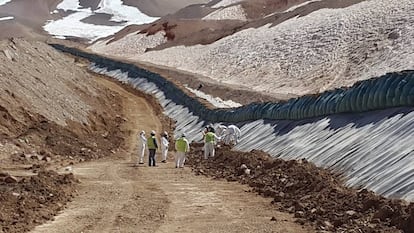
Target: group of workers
(229,135)
(182,146)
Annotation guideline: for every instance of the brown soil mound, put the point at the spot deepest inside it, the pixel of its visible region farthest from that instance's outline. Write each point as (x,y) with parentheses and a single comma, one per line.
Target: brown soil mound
(313,194)
(32,200)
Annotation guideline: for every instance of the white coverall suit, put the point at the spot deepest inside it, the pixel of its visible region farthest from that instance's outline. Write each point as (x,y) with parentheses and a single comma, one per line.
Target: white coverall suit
(232,135)
(221,130)
(164,148)
(142,145)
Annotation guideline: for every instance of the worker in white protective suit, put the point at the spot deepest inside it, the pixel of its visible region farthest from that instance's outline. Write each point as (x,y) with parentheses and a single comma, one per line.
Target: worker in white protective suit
(164,147)
(182,146)
(210,140)
(232,135)
(141,147)
(221,130)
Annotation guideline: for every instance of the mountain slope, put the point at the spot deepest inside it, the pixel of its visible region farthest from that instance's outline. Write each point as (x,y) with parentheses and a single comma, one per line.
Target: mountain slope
(80,20)
(326,49)
(51,105)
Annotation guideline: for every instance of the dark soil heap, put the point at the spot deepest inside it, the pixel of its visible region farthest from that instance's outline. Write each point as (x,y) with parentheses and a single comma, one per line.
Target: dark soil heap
(32,200)
(314,195)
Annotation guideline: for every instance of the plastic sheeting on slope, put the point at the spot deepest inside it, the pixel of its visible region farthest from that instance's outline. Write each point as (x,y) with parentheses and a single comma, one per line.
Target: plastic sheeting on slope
(373,150)
(185,120)
(387,91)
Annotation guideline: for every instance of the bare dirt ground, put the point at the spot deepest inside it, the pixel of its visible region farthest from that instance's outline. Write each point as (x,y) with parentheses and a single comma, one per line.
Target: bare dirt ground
(312,194)
(115,196)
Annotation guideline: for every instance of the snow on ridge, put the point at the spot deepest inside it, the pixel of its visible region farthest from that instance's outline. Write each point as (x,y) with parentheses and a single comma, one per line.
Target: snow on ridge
(6,18)
(225,3)
(71,25)
(326,49)
(3,2)
(234,12)
(67,5)
(122,12)
(215,101)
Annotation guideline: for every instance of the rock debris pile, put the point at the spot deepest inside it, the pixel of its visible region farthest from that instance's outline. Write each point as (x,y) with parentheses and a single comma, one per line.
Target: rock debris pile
(29,201)
(314,195)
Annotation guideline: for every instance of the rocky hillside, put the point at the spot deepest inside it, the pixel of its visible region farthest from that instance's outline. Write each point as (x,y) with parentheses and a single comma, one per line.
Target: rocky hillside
(50,107)
(53,114)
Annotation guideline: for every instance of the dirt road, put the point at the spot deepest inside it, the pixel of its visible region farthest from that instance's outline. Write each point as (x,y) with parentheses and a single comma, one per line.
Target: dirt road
(115,196)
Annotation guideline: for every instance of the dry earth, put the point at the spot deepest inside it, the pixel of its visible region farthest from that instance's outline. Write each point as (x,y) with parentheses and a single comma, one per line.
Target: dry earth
(30,201)
(310,193)
(52,108)
(115,196)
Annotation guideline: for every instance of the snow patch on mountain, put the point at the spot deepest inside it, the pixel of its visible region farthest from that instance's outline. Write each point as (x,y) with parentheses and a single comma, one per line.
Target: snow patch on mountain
(72,26)
(3,2)
(67,5)
(6,18)
(122,12)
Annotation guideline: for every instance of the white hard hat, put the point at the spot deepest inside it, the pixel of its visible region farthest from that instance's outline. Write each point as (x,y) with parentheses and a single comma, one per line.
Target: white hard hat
(142,132)
(183,135)
(152,132)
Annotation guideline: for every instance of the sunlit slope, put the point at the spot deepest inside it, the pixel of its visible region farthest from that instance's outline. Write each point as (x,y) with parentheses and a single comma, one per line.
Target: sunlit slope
(326,49)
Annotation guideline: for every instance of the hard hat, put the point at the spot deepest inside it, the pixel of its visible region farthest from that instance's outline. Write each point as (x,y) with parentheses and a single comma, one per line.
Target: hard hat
(152,132)
(165,133)
(183,135)
(142,132)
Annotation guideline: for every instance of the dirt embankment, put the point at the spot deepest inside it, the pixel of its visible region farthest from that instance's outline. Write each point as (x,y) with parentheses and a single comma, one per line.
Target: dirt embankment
(312,194)
(52,109)
(52,114)
(29,201)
